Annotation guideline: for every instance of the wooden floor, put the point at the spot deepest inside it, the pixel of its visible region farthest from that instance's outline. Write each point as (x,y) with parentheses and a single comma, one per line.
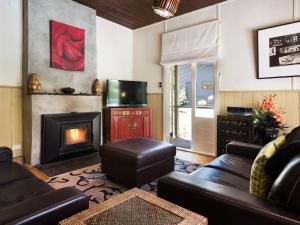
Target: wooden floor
(39,174)
(32,169)
(194,157)
(184,155)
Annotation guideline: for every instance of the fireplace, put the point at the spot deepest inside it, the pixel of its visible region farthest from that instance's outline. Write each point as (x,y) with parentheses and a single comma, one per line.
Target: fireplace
(63,134)
(76,135)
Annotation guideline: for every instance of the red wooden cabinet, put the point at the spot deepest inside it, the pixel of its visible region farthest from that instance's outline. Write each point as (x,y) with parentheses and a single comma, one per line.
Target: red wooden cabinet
(124,123)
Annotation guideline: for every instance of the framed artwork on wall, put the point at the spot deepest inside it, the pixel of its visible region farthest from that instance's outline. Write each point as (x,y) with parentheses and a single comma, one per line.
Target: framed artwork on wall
(66,47)
(279,51)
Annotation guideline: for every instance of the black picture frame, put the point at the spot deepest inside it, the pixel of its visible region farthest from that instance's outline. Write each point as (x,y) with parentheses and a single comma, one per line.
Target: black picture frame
(278,51)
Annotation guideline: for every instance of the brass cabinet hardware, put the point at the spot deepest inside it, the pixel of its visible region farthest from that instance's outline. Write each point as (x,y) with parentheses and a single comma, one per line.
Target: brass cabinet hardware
(132,126)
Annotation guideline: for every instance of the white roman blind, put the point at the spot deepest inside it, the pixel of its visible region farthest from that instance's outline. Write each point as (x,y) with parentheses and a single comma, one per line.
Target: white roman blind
(190,44)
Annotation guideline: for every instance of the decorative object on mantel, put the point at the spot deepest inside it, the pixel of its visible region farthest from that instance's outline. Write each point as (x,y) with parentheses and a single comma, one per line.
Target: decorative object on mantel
(279,51)
(60,93)
(97,87)
(165,8)
(67,47)
(268,120)
(34,85)
(68,90)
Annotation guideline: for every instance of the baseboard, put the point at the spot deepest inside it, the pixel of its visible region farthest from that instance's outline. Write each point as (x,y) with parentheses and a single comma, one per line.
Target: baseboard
(17,153)
(195,152)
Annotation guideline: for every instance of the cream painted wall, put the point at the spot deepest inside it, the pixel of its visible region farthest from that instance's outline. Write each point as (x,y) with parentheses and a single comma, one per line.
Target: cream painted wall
(296,80)
(114,50)
(10,42)
(297,9)
(239,21)
(114,46)
(193,18)
(146,56)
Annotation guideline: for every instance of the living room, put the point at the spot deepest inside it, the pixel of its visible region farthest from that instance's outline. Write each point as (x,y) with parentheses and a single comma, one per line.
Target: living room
(150,112)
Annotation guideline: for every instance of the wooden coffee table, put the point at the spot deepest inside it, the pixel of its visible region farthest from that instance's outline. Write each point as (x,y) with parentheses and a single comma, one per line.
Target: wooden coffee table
(136,207)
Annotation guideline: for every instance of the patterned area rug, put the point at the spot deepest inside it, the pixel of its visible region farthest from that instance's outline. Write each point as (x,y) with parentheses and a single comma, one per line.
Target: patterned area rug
(99,188)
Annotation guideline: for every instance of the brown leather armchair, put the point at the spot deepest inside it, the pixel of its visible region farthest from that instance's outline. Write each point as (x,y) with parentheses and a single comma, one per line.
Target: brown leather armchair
(24,199)
(220,190)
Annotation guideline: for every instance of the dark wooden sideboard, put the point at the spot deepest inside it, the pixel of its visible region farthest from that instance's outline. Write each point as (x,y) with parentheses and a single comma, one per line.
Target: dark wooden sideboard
(124,123)
(233,128)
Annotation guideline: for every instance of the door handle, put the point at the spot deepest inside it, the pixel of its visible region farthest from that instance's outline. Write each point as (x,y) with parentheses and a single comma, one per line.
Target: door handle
(131,126)
(134,126)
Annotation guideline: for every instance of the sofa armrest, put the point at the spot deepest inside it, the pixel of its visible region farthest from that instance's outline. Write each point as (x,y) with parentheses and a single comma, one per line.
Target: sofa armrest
(232,205)
(5,155)
(243,149)
(46,209)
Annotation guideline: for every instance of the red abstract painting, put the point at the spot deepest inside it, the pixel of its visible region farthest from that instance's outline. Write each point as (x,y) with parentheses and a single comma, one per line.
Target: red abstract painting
(67,47)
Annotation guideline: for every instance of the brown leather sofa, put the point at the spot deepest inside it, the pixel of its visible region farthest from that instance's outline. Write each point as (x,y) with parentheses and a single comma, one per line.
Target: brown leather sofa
(220,190)
(24,199)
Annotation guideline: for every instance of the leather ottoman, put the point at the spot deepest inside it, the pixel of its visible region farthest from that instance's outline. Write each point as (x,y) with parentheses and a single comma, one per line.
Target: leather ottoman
(137,161)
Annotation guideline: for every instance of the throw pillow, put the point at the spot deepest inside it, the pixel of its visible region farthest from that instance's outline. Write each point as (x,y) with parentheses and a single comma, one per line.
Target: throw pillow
(291,148)
(260,182)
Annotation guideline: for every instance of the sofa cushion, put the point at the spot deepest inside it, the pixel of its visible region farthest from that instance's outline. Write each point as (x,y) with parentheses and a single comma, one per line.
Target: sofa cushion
(12,172)
(291,148)
(286,188)
(234,164)
(20,190)
(260,182)
(221,177)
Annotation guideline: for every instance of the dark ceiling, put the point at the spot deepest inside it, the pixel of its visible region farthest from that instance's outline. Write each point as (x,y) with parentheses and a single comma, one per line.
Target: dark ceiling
(139,13)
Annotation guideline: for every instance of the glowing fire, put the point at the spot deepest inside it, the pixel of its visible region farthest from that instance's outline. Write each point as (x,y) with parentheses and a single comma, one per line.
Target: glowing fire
(76,136)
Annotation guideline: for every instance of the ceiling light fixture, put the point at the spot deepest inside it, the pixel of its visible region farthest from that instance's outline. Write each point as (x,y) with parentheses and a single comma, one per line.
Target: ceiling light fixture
(165,8)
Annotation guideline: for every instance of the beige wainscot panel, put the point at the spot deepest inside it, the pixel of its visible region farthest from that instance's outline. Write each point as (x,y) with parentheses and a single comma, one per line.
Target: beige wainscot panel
(17,121)
(289,100)
(11,118)
(155,102)
(5,117)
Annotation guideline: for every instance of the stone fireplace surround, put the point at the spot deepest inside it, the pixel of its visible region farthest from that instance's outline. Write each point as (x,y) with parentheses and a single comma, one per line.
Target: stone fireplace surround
(36,59)
(50,104)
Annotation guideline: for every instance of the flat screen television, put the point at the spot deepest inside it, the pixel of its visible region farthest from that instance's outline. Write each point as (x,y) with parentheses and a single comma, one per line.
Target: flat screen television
(121,93)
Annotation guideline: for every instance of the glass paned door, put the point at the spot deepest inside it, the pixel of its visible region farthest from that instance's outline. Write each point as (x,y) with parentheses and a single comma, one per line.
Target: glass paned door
(193,107)
(203,119)
(182,134)
(205,89)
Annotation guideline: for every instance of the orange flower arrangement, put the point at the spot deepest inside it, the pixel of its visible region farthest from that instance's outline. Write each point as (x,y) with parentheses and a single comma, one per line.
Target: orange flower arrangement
(270,107)
(268,120)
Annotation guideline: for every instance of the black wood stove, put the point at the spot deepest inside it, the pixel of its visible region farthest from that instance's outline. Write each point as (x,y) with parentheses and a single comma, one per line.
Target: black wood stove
(68,133)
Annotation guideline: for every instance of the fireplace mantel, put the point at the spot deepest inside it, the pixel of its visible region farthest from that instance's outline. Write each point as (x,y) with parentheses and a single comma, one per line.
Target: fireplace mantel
(54,93)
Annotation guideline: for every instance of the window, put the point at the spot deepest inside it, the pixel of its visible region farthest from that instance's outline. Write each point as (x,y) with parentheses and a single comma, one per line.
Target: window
(184,85)
(205,89)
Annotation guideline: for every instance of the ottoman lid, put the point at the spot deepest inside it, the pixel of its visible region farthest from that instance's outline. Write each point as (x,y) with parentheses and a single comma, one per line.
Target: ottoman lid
(140,151)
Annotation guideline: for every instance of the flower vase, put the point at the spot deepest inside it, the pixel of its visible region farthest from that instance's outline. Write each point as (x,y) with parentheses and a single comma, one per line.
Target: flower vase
(268,134)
